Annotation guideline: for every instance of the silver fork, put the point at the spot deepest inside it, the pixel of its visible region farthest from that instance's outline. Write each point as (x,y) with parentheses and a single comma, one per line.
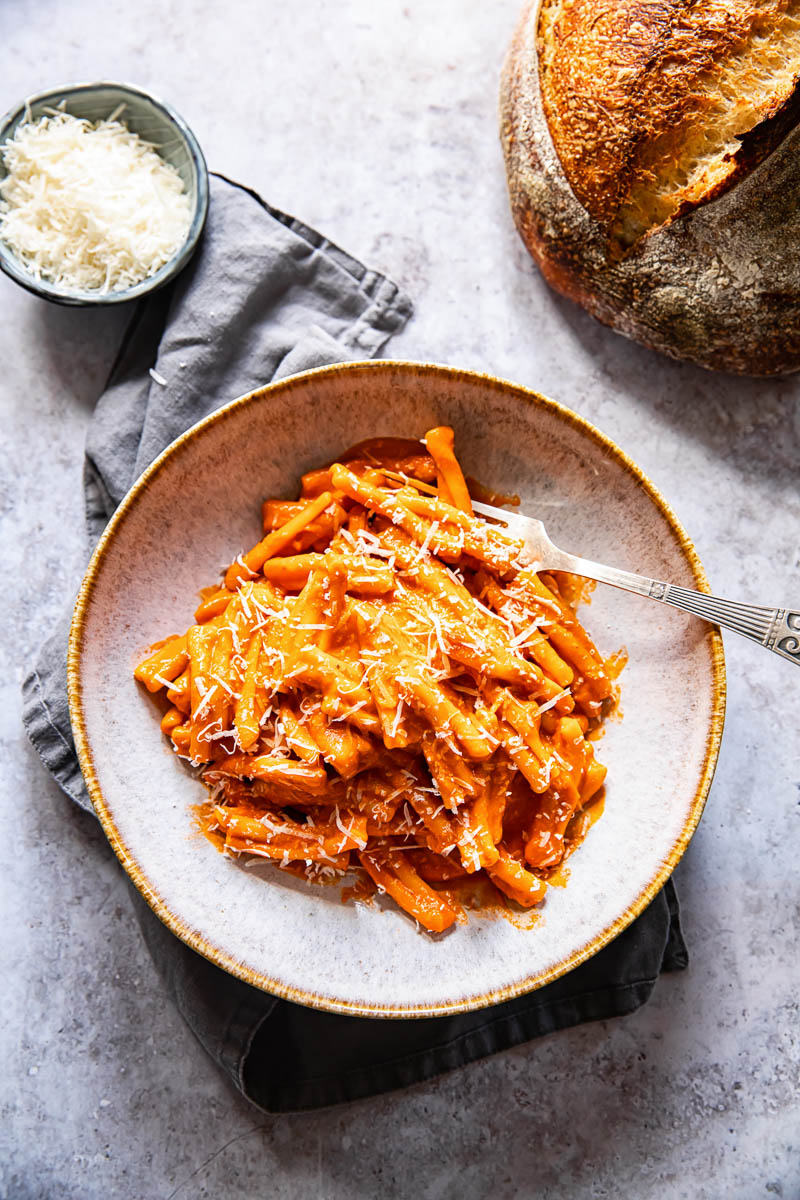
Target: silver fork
(777,629)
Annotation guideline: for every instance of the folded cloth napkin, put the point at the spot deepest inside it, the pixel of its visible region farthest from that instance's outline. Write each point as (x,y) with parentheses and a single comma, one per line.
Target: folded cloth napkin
(265,297)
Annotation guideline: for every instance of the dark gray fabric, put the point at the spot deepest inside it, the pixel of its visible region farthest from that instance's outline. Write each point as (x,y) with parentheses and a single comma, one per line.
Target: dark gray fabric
(287,1058)
(266,297)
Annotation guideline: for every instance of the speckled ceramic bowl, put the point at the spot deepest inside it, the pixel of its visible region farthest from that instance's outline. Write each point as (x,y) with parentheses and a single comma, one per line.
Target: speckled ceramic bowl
(198,505)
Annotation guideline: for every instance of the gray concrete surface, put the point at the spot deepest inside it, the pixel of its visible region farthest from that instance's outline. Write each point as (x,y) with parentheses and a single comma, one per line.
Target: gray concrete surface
(377,124)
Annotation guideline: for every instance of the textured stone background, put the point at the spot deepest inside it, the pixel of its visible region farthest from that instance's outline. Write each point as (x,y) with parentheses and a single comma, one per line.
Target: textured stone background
(377,124)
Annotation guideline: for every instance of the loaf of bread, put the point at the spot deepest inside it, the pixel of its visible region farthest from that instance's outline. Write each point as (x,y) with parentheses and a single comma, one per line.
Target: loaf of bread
(653,157)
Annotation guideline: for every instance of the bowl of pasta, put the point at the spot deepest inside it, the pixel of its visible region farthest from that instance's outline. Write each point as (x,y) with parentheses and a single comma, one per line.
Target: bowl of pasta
(346,740)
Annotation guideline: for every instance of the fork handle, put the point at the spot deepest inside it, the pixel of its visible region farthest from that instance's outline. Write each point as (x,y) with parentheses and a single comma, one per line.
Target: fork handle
(777,629)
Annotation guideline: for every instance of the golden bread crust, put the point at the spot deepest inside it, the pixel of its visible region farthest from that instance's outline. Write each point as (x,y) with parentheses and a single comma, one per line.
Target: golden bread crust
(658,106)
(717,281)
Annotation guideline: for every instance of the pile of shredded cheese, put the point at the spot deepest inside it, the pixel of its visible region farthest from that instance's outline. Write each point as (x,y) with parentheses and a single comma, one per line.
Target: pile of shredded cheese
(89,207)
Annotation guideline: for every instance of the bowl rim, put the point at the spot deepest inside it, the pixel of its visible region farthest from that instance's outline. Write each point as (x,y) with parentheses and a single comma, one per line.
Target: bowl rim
(193,937)
(14,269)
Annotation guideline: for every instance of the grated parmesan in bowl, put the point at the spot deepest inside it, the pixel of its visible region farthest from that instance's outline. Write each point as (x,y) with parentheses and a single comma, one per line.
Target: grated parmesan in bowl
(94,208)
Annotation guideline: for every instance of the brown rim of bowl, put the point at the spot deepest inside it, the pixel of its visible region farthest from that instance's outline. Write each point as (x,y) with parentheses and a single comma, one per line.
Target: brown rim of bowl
(193,937)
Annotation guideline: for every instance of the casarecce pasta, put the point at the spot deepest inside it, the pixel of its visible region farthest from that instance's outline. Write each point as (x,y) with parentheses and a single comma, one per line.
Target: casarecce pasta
(382,685)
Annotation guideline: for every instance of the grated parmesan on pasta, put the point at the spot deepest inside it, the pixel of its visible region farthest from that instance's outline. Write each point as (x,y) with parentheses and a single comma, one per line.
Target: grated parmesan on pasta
(354,704)
(89,207)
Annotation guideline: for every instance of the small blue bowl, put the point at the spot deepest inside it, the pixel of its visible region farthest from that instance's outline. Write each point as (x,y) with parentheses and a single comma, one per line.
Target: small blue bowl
(154,122)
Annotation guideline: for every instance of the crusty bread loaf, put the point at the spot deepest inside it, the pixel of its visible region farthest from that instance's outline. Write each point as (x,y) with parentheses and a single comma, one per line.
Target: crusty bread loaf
(652,158)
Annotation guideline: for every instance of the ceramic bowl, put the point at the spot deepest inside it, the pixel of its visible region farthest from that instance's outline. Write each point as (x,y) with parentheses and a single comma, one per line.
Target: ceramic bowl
(155,122)
(199,504)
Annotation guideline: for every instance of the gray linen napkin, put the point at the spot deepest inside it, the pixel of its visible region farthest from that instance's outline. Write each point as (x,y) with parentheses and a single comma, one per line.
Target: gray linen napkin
(265,297)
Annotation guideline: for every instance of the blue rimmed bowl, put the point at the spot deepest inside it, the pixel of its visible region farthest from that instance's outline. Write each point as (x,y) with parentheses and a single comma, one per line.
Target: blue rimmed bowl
(155,122)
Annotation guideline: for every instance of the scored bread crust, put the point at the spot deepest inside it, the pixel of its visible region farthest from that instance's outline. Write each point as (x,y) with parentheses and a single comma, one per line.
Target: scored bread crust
(718,280)
(657,107)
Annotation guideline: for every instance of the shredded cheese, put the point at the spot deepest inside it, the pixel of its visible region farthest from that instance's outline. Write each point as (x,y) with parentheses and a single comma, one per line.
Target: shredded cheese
(89,207)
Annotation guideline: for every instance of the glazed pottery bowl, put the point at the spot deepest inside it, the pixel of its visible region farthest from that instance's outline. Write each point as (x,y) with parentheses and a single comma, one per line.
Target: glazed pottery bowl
(198,505)
(155,122)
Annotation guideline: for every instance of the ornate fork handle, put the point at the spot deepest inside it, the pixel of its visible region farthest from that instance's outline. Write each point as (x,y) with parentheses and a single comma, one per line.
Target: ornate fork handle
(776,628)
